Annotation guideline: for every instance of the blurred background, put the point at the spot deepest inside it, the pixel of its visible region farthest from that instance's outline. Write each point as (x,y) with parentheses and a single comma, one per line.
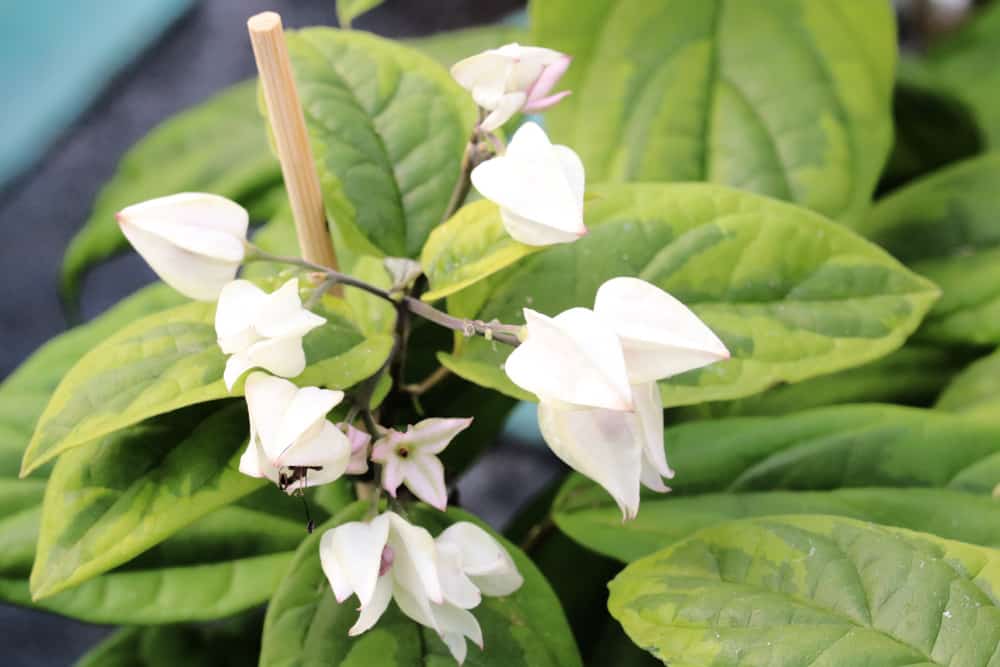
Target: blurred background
(85,81)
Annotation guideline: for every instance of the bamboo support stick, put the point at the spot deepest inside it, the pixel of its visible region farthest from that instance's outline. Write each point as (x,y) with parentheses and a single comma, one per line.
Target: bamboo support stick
(289,128)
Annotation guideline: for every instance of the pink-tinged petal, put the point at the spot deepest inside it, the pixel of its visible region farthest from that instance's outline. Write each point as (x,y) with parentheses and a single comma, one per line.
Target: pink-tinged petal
(392,475)
(424,476)
(371,612)
(358,440)
(600,444)
(660,335)
(384,448)
(548,79)
(545,102)
(431,436)
(573,358)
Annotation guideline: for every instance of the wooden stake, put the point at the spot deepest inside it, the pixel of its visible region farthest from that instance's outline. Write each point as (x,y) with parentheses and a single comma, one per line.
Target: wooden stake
(289,127)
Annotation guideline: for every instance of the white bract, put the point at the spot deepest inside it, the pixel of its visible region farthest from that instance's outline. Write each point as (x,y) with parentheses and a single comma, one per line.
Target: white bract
(263,330)
(193,241)
(595,373)
(435,583)
(538,187)
(410,458)
(292,443)
(510,79)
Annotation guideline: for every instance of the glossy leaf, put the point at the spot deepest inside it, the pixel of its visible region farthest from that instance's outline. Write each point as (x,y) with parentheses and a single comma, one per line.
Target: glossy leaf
(388,128)
(112,499)
(812,590)
(788,98)
(945,227)
(591,520)
(171,360)
(219,146)
(305,625)
(912,375)
(791,294)
(25,392)
(975,390)
(232,643)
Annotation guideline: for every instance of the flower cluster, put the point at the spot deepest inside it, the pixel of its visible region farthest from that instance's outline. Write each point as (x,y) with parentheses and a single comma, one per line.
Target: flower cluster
(595,371)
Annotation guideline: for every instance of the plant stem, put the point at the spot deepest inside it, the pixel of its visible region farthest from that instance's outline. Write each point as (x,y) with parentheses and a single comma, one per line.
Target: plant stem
(427,383)
(504,333)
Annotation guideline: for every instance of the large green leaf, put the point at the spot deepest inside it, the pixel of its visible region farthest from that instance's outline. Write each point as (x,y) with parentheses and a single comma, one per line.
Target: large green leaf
(945,227)
(348,10)
(975,390)
(813,590)
(25,392)
(170,360)
(388,128)
(789,98)
(224,563)
(911,467)
(115,497)
(219,146)
(231,643)
(912,375)
(306,626)
(791,294)
(587,516)
(447,48)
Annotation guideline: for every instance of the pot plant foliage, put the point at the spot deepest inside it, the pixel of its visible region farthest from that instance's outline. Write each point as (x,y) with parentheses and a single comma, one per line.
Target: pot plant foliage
(754,295)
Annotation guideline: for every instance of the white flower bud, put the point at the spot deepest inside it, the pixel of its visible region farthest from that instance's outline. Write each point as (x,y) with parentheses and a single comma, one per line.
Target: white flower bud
(193,241)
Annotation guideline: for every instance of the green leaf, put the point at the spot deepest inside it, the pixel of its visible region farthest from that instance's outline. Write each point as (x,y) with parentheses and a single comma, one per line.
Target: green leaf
(598,524)
(25,392)
(964,65)
(910,467)
(976,390)
(113,498)
(812,590)
(912,375)
(388,128)
(171,360)
(791,294)
(231,643)
(471,246)
(788,98)
(219,146)
(945,227)
(447,48)
(348,10)
(305,625)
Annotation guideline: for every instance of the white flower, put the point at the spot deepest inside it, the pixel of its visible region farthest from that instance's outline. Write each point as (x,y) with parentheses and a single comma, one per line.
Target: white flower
(434,583)
(538,187)
(595,373)
(193,241)
(510,79)
(292,443)
(263,330)
(411,458)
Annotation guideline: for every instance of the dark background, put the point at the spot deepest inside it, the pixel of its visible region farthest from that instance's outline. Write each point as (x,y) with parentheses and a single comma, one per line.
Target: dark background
(206,50)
